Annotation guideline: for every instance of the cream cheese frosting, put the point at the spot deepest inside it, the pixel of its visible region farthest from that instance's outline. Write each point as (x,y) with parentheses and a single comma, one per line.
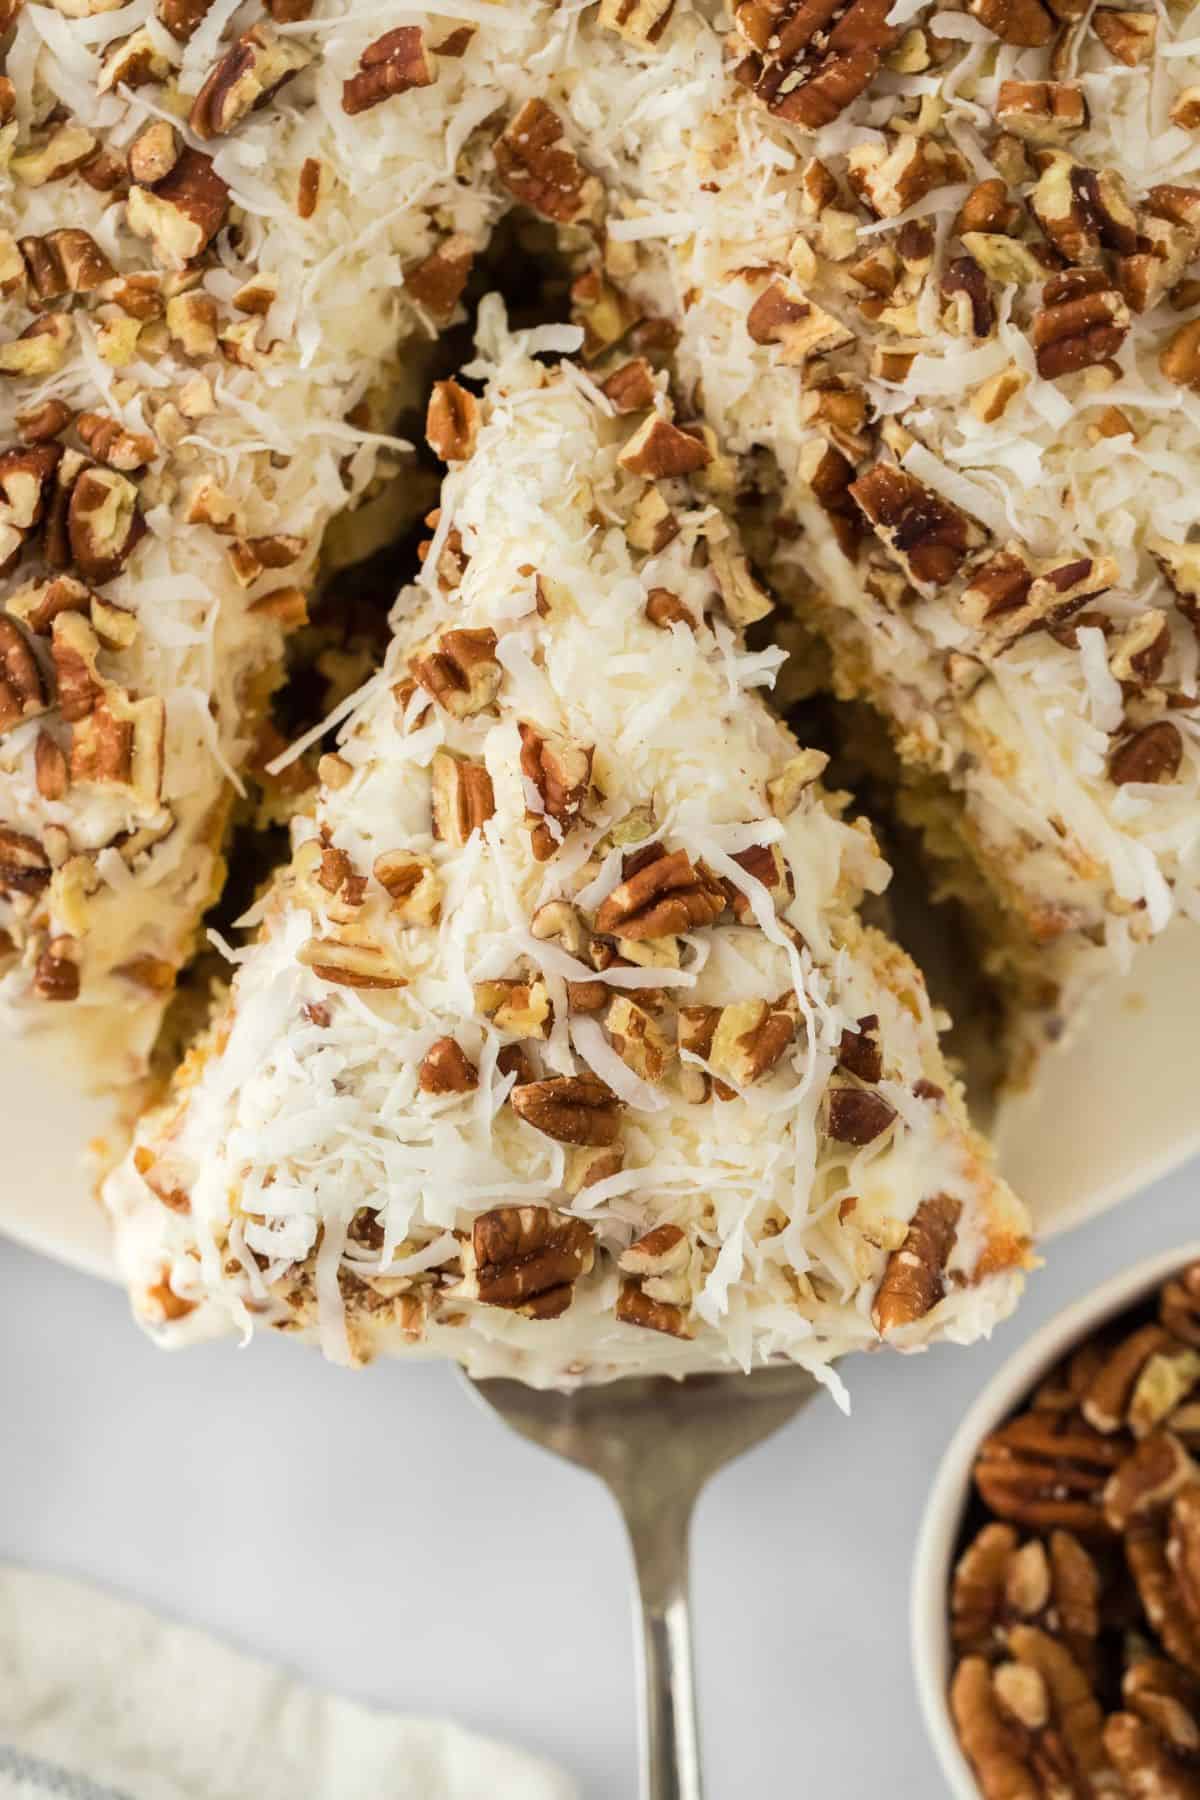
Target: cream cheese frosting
(562,1050)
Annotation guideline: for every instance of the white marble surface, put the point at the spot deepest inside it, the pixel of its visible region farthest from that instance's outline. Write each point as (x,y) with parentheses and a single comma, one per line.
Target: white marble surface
(384,1537)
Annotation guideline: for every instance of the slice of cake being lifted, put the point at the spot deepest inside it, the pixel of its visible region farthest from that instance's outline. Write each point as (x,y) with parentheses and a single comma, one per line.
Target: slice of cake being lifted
(563,1050)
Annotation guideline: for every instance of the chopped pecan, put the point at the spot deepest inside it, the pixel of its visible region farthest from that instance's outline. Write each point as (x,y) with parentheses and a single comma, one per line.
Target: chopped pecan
(412,885)
(749,1038)
(660,450)
(131,62)
(75,648)
(560,773)
(24,865)
(110,443)
(253,69)
(640,21)
(540,169)
(1023,23)
(1007,597)
(41,349)
(1127,35)
(182,213)
(745,601)
(1168,1603)
(808,59)
(154,152)
(1140,653)
(519,1007)
(121,741)
(1041,112)
(67,261)
(50,767)
(104,523)
(913,1281)
(664,609)
(447,1069)
(438,280)
(25,476)
(856,1115)
(22,694)
(637,1040)
(56,973)
(1105,1401)
(44,420)
(860,1051)
(636,1307)
(525,1258)
(182,17)
(393,64)
(663,1250)
(1083,321)
(452,421)
(1152,755)
(460,670)
(965,286)
(1179,358)
(798,327)
(662,898)
(927,535)
(631,388)
(892,177)
(462,797)
(1083,210)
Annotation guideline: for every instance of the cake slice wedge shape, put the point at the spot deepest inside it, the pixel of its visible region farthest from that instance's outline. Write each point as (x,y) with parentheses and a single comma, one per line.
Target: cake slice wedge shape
(563,1049)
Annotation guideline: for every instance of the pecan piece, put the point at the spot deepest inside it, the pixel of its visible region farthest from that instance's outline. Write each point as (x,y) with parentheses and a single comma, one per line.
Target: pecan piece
(1105,1401)
(104,523)
(154,152)
(447,1069)
(637,1040)
(660,450)
(393,64)
(1179,1305)
(348,964)
(971,308)
(110,443)
(631,388)
(182,213)
(1041,112)
(1179,358)
(639,21)
(1083,321)
(857,1115)
(56,973)
(526,1259)
(636,1307)
(65,262)
(452,421)
(1146,1480)
(519,1007)
(462,797)
(74,648)
(250,72)
(798,327)
(24,865)
(808,59)
(438,280)
(460,671)
(540,170)
(913,1281)
(1023,23)
(749,1038)
(926,534)
(571,1109)
(560,773)
(182,17)
(1127,35)
(22,694)
(1145,1764)
(1152,755)
(860,1051)
(662,898)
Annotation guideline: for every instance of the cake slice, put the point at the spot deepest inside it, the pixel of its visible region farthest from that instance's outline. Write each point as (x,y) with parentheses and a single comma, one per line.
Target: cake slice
(930,279)
(563,1049)
(223,245)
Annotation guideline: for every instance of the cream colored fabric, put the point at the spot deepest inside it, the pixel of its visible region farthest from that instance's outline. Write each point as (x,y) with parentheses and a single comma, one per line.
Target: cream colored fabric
(105,1691)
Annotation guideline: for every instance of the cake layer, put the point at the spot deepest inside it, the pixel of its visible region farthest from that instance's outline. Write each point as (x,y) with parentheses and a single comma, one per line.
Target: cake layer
(563,1050)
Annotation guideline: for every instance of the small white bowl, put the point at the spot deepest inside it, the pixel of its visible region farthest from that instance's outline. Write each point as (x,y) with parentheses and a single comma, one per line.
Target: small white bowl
(951,1491)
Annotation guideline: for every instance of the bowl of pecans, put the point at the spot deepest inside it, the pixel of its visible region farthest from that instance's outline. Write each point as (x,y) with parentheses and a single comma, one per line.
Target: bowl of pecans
(1056,1589)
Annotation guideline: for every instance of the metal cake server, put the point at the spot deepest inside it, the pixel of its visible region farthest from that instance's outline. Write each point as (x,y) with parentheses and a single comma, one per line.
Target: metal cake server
(655,1442)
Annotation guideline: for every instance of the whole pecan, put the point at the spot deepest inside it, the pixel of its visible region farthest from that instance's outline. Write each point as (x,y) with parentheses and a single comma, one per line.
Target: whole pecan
(1083,320)
(572,1109)
(1041,1471)
(663,897)
(525,1258)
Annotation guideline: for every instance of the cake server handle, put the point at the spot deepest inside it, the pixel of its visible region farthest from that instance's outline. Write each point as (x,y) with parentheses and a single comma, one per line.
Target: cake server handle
(658,1527)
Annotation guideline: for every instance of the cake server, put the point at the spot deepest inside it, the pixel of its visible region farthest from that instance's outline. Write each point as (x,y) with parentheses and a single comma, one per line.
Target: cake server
(654,1442)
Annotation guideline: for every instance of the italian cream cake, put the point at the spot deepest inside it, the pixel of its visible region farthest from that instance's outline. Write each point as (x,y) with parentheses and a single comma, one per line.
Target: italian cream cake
(218,269)
(929,276)
(562,1049)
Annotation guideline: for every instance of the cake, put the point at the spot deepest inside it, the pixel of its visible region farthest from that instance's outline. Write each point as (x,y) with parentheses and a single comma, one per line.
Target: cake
(563,1049)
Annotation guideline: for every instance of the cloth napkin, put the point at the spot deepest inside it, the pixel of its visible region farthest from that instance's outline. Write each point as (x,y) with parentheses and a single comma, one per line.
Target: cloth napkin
(102,1700)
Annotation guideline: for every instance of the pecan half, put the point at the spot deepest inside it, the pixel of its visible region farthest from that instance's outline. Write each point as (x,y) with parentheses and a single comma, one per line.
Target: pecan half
(1083,320)
(1045,1471)
(662,898)
(913,1281)
(808,59)
(540,169)
(526,1259)
(395,63)
(571,1109)
(250,72)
